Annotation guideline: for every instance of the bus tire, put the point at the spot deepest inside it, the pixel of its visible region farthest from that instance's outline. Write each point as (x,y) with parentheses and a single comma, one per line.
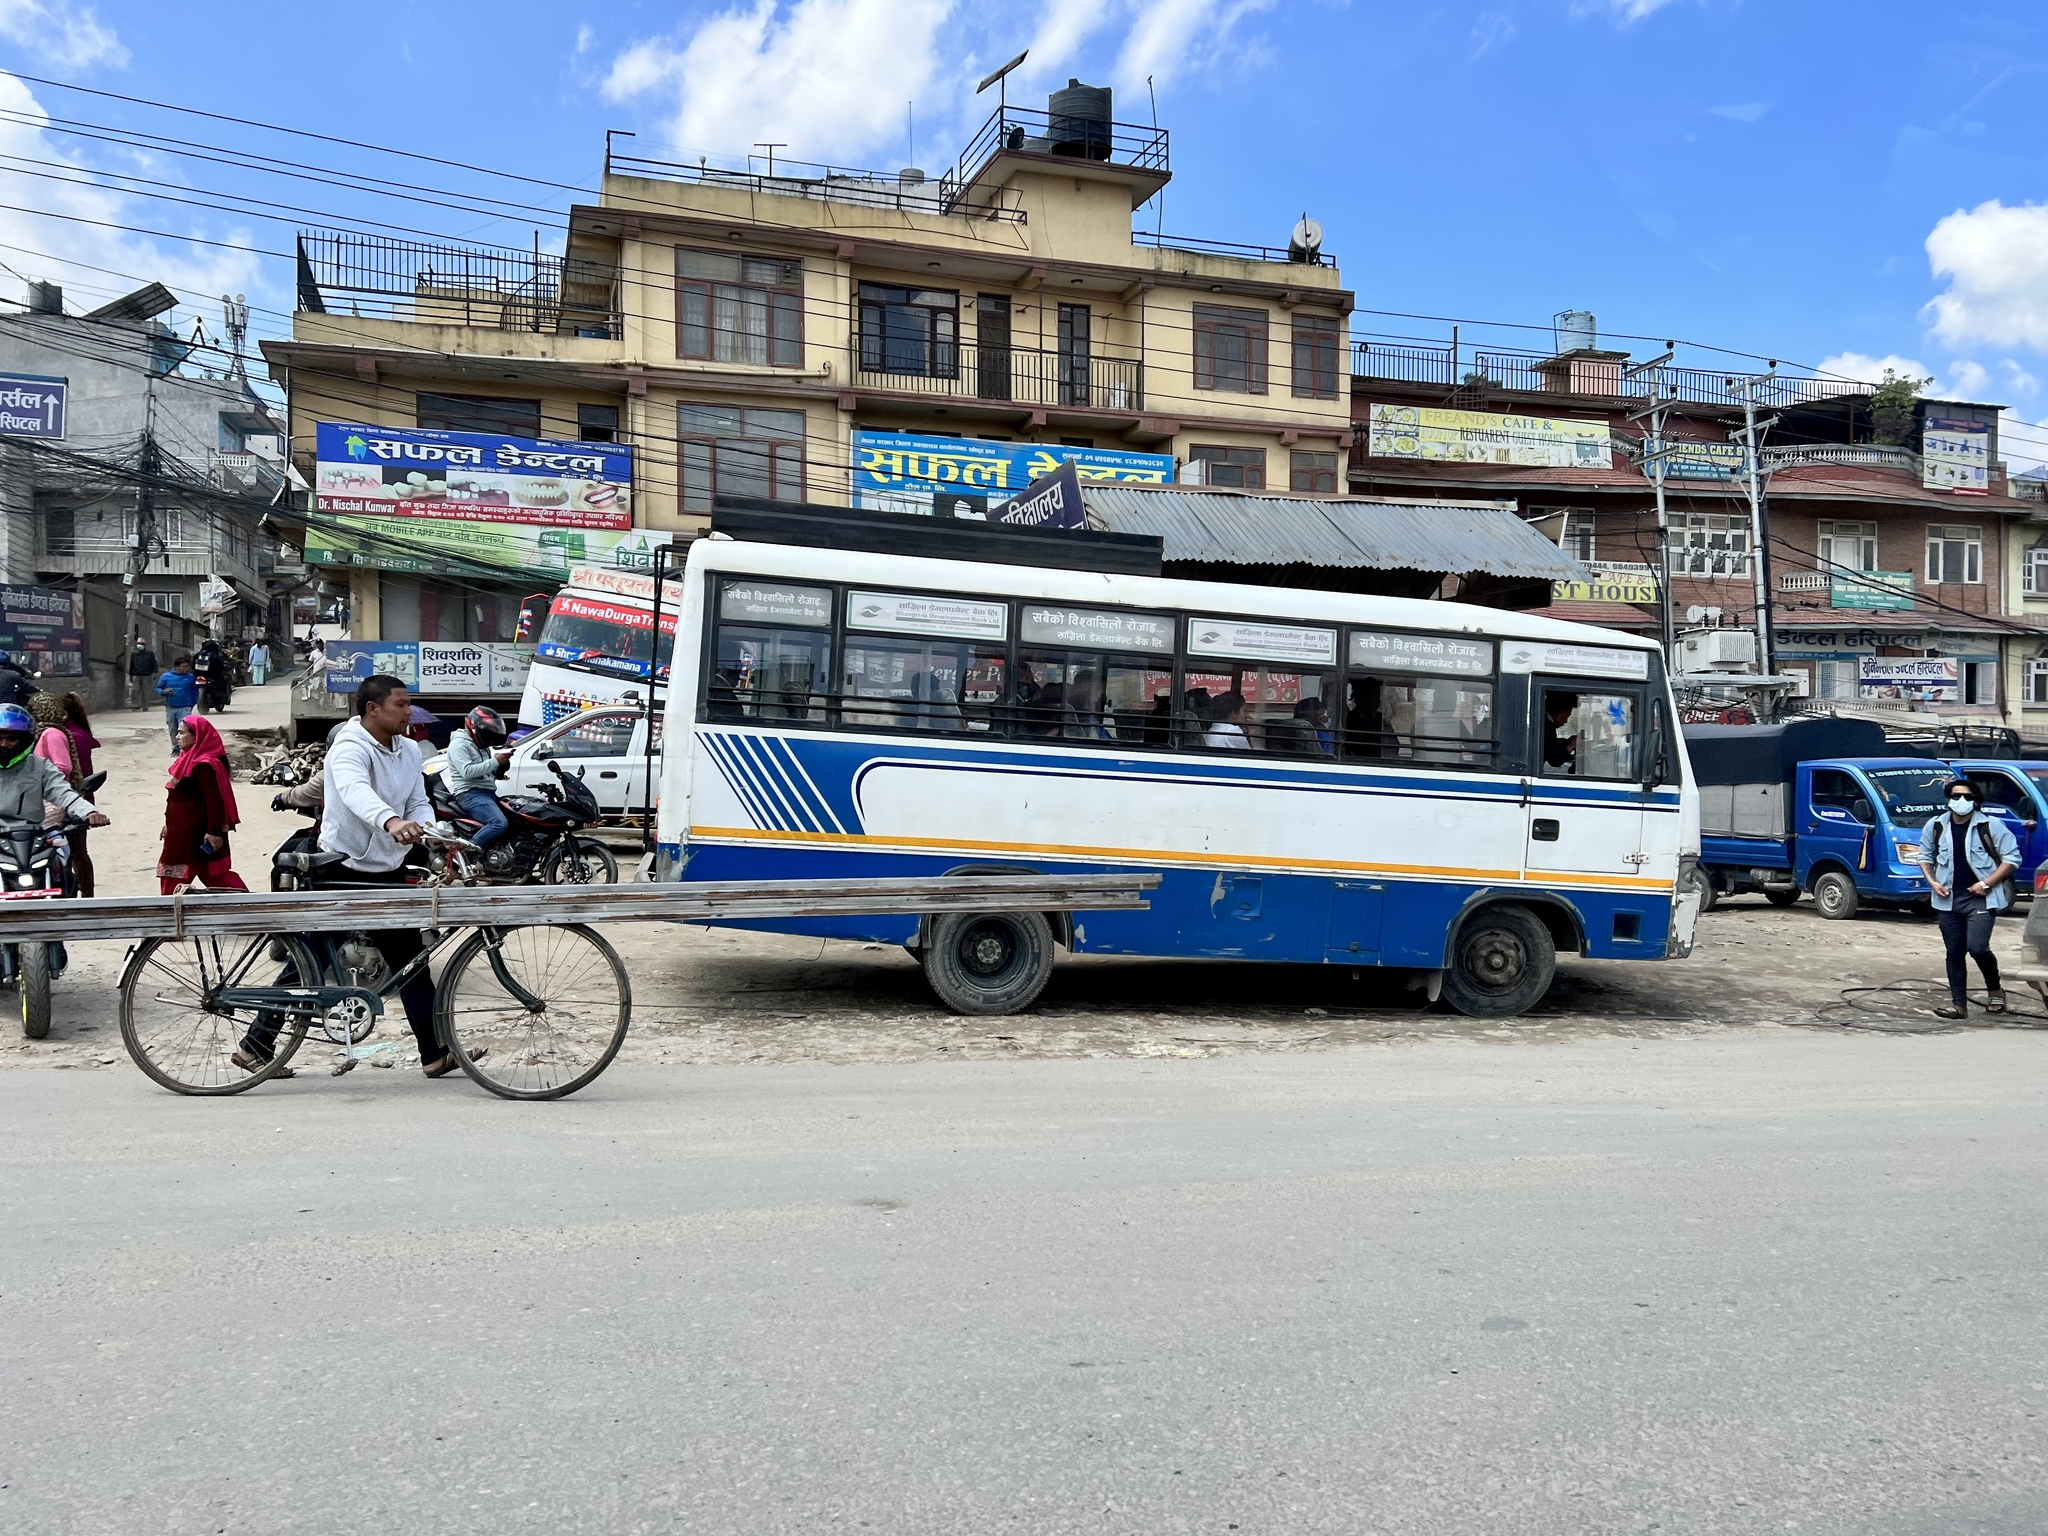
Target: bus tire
(988,962)
(1834,896)
(1501,962)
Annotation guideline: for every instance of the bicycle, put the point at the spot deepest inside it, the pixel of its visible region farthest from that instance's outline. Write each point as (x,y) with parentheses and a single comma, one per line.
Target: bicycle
(548,1006)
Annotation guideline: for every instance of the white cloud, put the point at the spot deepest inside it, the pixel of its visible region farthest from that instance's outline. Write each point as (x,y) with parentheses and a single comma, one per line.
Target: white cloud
(1967,379)
(1623,11)
(586,39)
(196,273)
(1996,261)
(1871,370)
(1169,36)
(827,77)
(1491,31)
(60,36)
(1741,111)
(1064,27)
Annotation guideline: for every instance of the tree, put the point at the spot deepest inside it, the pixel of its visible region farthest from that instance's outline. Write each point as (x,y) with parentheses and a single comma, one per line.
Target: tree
(1891,407)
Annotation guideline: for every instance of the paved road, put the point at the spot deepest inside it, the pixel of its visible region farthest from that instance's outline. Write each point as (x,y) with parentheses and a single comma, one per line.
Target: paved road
(1765,1282)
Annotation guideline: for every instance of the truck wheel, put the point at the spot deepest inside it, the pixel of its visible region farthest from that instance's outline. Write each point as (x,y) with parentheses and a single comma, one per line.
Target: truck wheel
(1834,896)
(1501,963)
(1710,894)
(988,962)
(1782,898)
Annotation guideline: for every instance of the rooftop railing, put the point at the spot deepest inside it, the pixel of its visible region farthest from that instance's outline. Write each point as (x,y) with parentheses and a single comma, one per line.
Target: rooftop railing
(1203,247)
(1411,364)
(491,287)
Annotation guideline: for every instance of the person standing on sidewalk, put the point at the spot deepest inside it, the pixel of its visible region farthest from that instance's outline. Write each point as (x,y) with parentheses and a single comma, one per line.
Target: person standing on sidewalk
(179,689)
(199,813)
(1968,859)
(376,789)
(259,664)
(142,670)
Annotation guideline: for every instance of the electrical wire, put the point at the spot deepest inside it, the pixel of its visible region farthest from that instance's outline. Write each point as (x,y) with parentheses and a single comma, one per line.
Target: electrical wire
(1903,1007)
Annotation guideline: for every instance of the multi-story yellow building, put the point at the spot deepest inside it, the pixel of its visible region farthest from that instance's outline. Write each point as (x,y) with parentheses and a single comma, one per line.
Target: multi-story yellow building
(738,329)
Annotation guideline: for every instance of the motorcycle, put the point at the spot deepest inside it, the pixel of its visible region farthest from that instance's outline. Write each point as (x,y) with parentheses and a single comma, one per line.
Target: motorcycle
(540,845)
(35,865)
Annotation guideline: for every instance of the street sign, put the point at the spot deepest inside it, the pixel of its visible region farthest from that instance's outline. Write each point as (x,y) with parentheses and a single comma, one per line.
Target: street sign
(32,405)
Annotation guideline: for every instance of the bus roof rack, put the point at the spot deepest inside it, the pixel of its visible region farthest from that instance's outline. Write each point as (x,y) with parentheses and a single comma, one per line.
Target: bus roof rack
(935,538)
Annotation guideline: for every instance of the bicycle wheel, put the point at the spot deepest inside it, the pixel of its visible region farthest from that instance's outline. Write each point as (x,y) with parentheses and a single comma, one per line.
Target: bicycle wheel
(558,1037)
(185,1041)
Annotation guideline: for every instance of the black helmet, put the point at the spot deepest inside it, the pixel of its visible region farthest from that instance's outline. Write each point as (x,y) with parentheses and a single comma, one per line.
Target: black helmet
(486,725)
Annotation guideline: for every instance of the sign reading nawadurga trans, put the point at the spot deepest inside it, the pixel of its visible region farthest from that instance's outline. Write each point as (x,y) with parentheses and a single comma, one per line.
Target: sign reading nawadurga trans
(1481,437)
(513,502)
(32,405)
(967,476)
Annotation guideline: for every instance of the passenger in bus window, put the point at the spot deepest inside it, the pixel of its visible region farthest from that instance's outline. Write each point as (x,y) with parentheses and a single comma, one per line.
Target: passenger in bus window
(1084,698)
(1300,734)
(1158,725)
(1046,714)
(1227,723)
(1365,726)
(1194,714)
(1560,751)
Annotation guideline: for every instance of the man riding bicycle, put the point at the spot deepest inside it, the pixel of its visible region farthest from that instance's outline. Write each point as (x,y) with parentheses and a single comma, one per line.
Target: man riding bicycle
(376,804)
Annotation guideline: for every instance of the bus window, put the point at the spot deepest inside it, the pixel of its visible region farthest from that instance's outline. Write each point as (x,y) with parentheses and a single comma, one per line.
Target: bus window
(922,661)
(1258,687)
(772,652)
(1590,733)
(1426,698)
(1092,674)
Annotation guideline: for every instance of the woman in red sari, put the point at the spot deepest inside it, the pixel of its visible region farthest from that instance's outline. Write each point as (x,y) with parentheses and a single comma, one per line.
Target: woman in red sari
(199,813)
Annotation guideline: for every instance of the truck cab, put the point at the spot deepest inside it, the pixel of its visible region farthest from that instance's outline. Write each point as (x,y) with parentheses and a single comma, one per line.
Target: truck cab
(1856,830)
(2016,792)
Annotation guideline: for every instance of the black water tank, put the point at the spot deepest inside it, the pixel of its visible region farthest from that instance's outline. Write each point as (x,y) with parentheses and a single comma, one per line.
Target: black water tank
(1080,121)
(45,298)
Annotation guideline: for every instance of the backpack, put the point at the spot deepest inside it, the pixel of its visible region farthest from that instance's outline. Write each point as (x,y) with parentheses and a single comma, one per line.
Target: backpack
(1990,849)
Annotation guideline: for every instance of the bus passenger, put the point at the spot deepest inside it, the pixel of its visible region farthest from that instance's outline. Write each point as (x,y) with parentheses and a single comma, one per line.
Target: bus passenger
(1159,724)
(1227,727)
(1560,752)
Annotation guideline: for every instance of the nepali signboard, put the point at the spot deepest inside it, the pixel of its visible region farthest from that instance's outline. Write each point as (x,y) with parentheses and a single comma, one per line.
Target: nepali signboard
(1931,679)
(424,499)
(429,667)
(33,405)
(1481,437)
(1955,456)
(1691,459)
(967,476)
(44,630)
(1871,589)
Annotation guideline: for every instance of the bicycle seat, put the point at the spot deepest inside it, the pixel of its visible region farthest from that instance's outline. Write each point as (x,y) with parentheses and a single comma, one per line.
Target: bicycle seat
(305,863)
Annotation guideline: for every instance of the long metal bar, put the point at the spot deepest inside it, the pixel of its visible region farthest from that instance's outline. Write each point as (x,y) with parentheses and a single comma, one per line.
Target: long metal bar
(229,912)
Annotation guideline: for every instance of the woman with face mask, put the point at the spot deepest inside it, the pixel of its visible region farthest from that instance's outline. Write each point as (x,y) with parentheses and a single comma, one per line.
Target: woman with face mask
(1968,859)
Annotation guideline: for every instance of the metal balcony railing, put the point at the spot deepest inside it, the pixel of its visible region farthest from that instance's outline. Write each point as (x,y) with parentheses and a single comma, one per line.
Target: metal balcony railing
(1022,375)
(1203,247)
(1409,364)
(489,287)
(1854,455)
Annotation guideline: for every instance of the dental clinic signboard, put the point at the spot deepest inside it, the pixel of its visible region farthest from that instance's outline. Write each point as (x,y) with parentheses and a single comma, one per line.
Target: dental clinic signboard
(423,497)
(971,477)
(33,405)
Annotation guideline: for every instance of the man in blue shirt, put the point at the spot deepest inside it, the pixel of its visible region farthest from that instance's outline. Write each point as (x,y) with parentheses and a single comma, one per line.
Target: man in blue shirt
(179,689)
(1968,859)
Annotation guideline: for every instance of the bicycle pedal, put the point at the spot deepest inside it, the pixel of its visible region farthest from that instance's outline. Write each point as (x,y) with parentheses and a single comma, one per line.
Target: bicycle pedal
(346,1064)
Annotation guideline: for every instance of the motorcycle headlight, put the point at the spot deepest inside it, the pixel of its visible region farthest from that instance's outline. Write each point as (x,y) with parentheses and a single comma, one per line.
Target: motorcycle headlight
(25,881)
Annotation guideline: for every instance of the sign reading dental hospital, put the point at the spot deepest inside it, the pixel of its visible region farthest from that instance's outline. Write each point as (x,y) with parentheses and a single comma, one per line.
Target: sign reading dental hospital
(1955,456)
(44,629)
(421,496)
(967,476)
(32,405)
(1481,437)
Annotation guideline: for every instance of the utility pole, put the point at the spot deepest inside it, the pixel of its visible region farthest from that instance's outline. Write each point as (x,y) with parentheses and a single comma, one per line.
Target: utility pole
(1758,539)
(1653,460)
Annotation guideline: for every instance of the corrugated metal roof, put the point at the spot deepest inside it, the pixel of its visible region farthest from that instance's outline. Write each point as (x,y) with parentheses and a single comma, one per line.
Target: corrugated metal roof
(1287,530)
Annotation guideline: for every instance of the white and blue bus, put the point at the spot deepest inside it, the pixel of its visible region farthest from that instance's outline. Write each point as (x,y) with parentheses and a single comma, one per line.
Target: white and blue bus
(1318,777)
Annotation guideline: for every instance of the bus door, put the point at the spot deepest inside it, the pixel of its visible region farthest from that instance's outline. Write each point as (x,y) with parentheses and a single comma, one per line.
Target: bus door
(1586,799)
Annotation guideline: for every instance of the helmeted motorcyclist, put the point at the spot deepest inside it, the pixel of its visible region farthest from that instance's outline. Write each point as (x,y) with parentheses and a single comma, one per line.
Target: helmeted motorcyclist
(477,757)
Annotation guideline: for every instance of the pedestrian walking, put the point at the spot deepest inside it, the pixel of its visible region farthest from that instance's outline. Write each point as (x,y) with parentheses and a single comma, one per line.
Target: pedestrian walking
(78,727)
(142,672)
(259,664)
(179,689)
(199,812)
(1954,847)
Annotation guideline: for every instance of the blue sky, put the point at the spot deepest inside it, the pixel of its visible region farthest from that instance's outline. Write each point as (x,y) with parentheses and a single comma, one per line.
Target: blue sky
(1823,181)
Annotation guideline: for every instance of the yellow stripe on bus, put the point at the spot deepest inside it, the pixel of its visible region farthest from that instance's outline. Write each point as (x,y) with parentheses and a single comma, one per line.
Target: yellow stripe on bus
(1573,878)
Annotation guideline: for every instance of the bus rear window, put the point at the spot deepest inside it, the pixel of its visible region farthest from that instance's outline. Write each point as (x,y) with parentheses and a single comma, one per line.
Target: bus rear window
(600,635)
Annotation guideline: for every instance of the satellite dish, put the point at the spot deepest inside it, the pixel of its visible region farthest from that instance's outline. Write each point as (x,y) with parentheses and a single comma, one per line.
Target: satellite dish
(1306,242)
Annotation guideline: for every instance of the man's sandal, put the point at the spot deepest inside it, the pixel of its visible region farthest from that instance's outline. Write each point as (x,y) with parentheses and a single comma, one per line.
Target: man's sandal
(1950,1011)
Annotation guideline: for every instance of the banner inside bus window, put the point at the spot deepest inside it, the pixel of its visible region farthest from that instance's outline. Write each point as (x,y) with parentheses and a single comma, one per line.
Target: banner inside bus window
(967,476)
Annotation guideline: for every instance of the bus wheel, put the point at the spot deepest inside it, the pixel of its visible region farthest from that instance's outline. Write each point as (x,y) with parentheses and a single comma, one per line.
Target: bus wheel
(988,962)
(1501,963)
(1834,896)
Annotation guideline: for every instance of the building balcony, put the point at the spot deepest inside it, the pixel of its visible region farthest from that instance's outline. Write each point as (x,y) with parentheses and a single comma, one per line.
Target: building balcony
(1854,455)
(249,473)
(486,287)
(178,557)
(1000,376)
(1540,373)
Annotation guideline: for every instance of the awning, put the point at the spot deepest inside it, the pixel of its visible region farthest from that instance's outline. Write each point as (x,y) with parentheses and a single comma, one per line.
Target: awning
(1215,527)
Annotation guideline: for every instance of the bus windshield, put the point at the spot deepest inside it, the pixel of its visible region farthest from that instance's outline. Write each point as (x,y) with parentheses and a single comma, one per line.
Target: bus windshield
(1912,794)
(596,635)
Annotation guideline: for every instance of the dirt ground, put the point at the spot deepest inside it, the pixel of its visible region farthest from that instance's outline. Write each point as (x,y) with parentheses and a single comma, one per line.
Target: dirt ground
(706,996)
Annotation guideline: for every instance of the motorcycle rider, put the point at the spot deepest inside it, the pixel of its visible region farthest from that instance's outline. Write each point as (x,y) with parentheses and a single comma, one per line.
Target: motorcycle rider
(28,781)
(477,755)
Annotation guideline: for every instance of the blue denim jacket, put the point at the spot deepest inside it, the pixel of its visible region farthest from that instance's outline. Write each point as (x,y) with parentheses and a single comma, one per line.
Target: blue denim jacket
(1938,848)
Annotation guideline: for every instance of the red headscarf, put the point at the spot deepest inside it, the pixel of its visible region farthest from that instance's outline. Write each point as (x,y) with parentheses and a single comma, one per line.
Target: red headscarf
(210,752)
